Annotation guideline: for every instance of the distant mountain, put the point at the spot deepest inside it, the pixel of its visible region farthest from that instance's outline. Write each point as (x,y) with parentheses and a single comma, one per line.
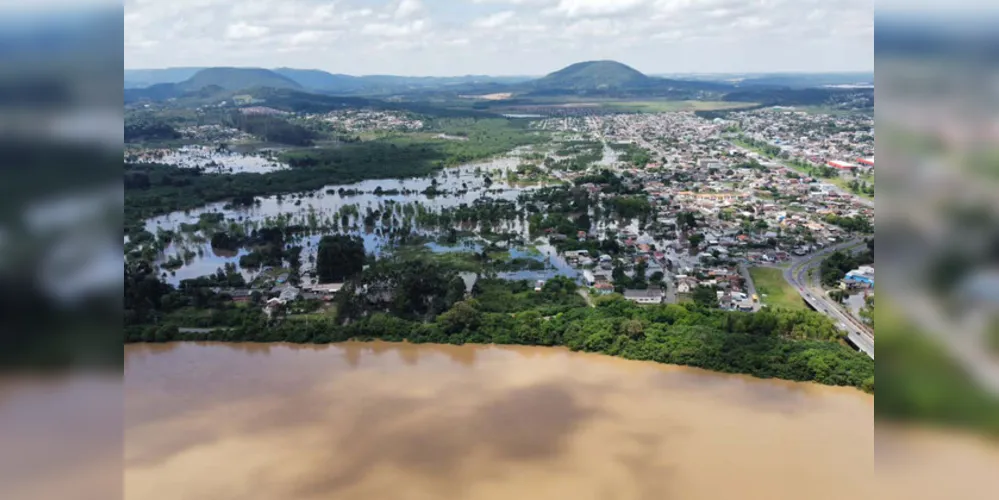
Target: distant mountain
(322,81)
(142,78)
(237,79)
(594,75)
(808,80)
(314,79)
(209,82)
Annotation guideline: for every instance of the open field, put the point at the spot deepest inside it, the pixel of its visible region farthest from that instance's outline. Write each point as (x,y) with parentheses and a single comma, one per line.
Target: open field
(528,104)
(667,106)
(774,290)
(829,110)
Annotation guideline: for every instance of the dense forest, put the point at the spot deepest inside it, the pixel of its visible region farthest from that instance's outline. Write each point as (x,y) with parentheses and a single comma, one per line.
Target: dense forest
(147,128)
(272,129)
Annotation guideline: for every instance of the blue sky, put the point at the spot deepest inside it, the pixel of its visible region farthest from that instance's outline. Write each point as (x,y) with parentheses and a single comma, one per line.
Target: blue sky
(501,37)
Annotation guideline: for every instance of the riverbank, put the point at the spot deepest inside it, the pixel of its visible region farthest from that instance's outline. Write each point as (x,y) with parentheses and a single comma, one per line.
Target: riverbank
(750,344)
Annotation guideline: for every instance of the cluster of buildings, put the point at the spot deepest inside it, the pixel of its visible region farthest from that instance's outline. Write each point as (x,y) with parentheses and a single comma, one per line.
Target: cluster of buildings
(214,134)
(361,120)
(844,142)
(718,206)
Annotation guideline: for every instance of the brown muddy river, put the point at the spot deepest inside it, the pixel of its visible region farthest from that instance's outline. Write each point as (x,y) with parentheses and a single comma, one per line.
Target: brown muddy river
(398,421)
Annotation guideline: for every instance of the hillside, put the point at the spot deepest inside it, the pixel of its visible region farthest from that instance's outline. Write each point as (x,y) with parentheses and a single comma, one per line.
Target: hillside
(594,75)
(314,79)
(237,79)
(141,78)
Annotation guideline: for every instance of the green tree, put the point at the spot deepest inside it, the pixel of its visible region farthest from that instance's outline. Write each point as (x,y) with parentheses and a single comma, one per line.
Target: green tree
(695,240)
(706,296)
(338,258)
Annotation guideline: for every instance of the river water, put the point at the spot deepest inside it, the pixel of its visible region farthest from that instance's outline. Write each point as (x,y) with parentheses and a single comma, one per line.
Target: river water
(401,421)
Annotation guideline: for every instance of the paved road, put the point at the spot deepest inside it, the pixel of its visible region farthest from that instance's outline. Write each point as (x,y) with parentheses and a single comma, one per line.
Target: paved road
(797,274)
(750,286)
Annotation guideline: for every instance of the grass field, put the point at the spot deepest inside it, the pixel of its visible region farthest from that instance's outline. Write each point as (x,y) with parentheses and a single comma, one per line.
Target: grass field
(668,106)
(829,110)
(774,290)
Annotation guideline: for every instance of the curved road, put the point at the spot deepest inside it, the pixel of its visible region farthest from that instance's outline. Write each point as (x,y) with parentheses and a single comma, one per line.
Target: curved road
(797,275)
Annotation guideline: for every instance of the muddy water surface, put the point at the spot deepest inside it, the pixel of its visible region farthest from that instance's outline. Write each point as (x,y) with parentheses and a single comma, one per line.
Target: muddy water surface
(399,421)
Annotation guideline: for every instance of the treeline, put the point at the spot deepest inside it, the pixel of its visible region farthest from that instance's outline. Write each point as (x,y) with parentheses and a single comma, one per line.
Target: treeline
(854,224)
(272,129)
(630,207)
(763,345)
(857,98)
(834,268)
(631,153)
(148,128)
(711,114)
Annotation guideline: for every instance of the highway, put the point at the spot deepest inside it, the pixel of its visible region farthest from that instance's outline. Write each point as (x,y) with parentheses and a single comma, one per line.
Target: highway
(797,274)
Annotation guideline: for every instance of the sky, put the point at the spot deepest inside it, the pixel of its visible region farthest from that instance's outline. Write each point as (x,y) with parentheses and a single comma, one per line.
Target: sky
(502,37)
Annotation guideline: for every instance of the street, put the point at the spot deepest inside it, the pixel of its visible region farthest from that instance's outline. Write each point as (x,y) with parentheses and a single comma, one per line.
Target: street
(750,286)
(797,274)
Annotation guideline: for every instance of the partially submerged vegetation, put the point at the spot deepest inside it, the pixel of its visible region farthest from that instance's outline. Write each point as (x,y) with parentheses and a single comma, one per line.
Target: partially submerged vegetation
(152,189)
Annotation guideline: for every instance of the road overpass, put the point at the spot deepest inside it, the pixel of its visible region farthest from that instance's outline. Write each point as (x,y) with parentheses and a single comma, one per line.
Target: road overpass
(797,274)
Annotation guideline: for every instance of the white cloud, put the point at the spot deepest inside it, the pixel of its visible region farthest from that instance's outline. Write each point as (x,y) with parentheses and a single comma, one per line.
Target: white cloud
(243,31)
(312,37)
(581,8)
(389,30)
(515,2)
(494,20)
(408,8)
(421,37)
(593,28)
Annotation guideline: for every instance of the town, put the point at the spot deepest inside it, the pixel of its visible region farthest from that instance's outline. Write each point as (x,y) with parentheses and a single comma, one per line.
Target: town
(725,206)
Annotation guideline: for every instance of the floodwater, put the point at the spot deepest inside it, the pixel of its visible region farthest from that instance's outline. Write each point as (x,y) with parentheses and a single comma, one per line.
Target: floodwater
(463,185)
(218,162)
(402,421)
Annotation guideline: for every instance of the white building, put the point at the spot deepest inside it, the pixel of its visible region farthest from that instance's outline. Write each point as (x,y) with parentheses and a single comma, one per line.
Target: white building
(650,296)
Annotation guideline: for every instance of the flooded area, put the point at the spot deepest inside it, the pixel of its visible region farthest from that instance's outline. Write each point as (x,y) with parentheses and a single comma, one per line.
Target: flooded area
(455,187)
(214,160)
(402,421)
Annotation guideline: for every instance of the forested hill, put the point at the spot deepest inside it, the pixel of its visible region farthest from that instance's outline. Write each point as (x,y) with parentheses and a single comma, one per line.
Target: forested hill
(593,75)
(237,79)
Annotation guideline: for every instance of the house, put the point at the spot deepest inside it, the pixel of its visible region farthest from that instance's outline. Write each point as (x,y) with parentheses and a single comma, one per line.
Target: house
(604,288)
(589,277)
(239,294)
(685,284)
(649,296)
(289,294)
(325,290)
(539,285)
